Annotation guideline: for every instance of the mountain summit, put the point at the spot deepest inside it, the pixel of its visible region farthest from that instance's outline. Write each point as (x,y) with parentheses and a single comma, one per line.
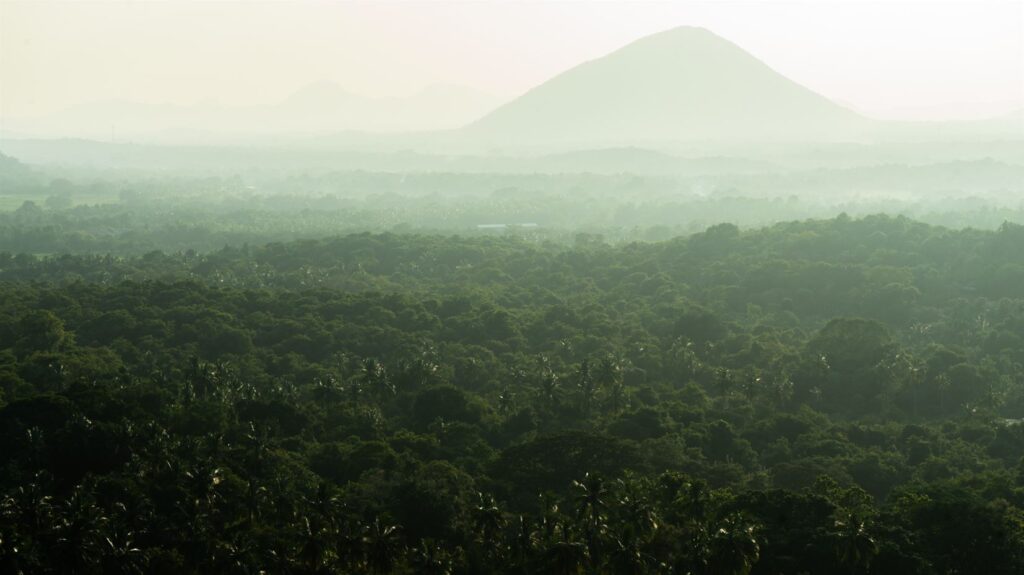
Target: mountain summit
(684,84)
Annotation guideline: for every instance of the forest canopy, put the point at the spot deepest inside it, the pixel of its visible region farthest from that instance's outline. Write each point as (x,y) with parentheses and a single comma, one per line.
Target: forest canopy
(826,396)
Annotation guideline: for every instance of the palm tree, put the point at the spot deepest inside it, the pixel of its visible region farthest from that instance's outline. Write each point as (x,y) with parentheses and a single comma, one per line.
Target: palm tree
(586,385)
(152,456)
(36,447)
(942,386)
(855,548)
(376,378)
(549,515)
(733,548)
(590,502)
(418,372)
(381,546)
(120,554)
(326,389)
(517,376)
(132,515)
(347,547)
(201,482)
(565,557)
(354,391)
(313,548)
(780,388)
(205,380)
(429,558)
(590,498)
(282,502)
(278,557)
(695,502)
(724,380)
(609,371)
(685,356)
(549,389)
(31,508)
(618,397)
(242,389)
(323,504)
(238,557)
(637,512)
(76,545)
(751,386)
(609,377)
(626,557)
(259,450)
(524,542)
(506,401)
(488,521)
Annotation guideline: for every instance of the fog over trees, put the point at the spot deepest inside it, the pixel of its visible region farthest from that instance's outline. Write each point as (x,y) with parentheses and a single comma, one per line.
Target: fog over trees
(668,311)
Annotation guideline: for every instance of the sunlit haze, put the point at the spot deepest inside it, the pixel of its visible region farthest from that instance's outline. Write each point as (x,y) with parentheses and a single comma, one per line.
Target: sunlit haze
(501,287)
(890,60)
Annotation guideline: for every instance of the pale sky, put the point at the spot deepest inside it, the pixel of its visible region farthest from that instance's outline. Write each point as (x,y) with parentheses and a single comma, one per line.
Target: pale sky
(889,59)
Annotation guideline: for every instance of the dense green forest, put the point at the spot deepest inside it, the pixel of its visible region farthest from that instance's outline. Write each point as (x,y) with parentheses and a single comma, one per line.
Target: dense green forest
(511,288)
(828,396)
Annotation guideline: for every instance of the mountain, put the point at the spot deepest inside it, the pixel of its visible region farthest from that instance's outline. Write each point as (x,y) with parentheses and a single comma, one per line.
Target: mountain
(685,84)
(315,109)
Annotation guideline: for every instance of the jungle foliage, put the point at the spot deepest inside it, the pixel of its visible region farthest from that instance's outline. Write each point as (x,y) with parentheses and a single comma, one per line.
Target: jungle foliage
(827,396)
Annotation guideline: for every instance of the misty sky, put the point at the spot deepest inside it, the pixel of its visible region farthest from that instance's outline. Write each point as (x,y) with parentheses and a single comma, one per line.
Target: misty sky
(892,59)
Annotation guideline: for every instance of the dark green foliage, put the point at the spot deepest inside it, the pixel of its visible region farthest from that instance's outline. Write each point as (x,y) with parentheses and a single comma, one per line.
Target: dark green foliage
(839,396)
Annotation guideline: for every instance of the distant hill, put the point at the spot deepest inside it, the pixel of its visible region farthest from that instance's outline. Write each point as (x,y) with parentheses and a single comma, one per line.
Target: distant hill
(205,159)
(319,108)
(685,84)
(14,175)
(10,167)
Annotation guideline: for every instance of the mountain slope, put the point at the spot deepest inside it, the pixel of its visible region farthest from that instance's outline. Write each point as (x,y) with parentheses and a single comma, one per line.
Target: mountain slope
(685,84)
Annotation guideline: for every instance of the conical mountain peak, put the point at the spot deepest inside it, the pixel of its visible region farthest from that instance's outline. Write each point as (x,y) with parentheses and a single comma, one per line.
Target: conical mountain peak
(683,84)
